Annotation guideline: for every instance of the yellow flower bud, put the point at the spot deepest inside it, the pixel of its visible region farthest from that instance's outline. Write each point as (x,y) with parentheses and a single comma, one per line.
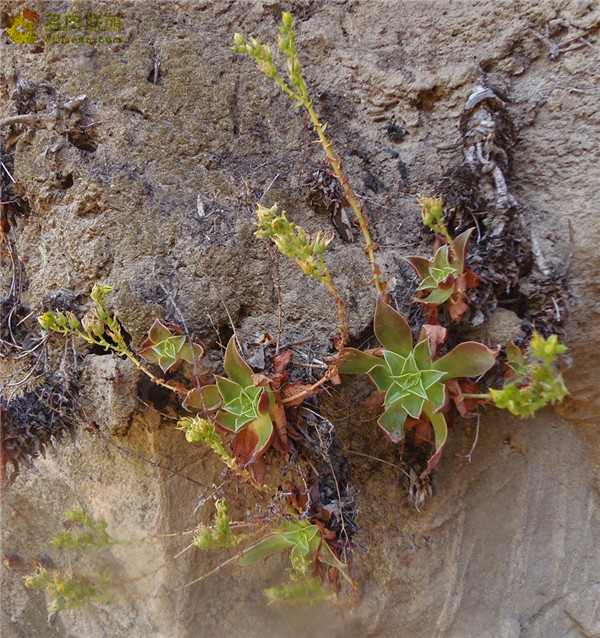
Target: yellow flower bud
(287,19)
(431,210)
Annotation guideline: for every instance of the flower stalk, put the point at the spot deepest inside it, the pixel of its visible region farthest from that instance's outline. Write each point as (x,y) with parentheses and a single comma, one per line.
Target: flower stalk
(297,91)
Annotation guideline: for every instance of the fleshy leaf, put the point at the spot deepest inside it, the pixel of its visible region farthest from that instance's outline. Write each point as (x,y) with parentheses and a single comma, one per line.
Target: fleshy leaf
(392,421)
(391,329)
(205,398)
(395,362)
(159,332)
(228,421)
(440,259)
(420,264)
(229,390)
(149,354)
(422,351)
(265,548)
(166,362)
(380,376)
(327,556)
(460,247)
(357,362)
(469,359)
(263,426)
(235,366)
(440,429)
(394,393)
(410,365)
(265,402)
(429,377)
(413,404)
(437,296)
(190,352)
(437,395)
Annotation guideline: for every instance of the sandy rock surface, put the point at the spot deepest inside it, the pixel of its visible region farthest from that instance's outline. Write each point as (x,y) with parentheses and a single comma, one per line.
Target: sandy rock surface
(149,186)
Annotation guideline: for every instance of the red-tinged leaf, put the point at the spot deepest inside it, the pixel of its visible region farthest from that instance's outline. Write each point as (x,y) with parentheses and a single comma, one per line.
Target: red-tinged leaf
(391,329)
(455,390)
(167,363)
(422,431)
(432,464)
(374,402)
(440,430)
(159,332)
(235,366)
(437,335)
(261,380)
(206,399)
(148,353)
(328,556)
(280,361)
(300,390)
(471,279)
(456,396)
(449,282)
(457,309)
(243,446)
(263,426)
(280,438)
(460,248)
(469,359)
(190,352)
(264,402)
(420,265)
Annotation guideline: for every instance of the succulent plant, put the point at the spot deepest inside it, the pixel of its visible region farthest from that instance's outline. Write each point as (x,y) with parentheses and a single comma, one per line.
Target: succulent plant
(446,278)
(239,405)
(414,384)
(303,538)
(168,349)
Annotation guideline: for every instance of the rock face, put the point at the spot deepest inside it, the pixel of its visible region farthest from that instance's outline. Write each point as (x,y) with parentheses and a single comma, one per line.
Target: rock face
(149,185)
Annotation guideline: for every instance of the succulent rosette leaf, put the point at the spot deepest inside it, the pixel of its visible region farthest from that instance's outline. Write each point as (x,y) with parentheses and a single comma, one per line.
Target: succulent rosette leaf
(205,398)
(167,349)
(302,538)
(443,277)
(413,383)
(244,406)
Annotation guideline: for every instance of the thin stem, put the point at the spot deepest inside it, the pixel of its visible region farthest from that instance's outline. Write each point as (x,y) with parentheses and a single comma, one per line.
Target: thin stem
(341,312)
(483,397)
(121,349)
(336,165)
(441,228)
(138,364)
